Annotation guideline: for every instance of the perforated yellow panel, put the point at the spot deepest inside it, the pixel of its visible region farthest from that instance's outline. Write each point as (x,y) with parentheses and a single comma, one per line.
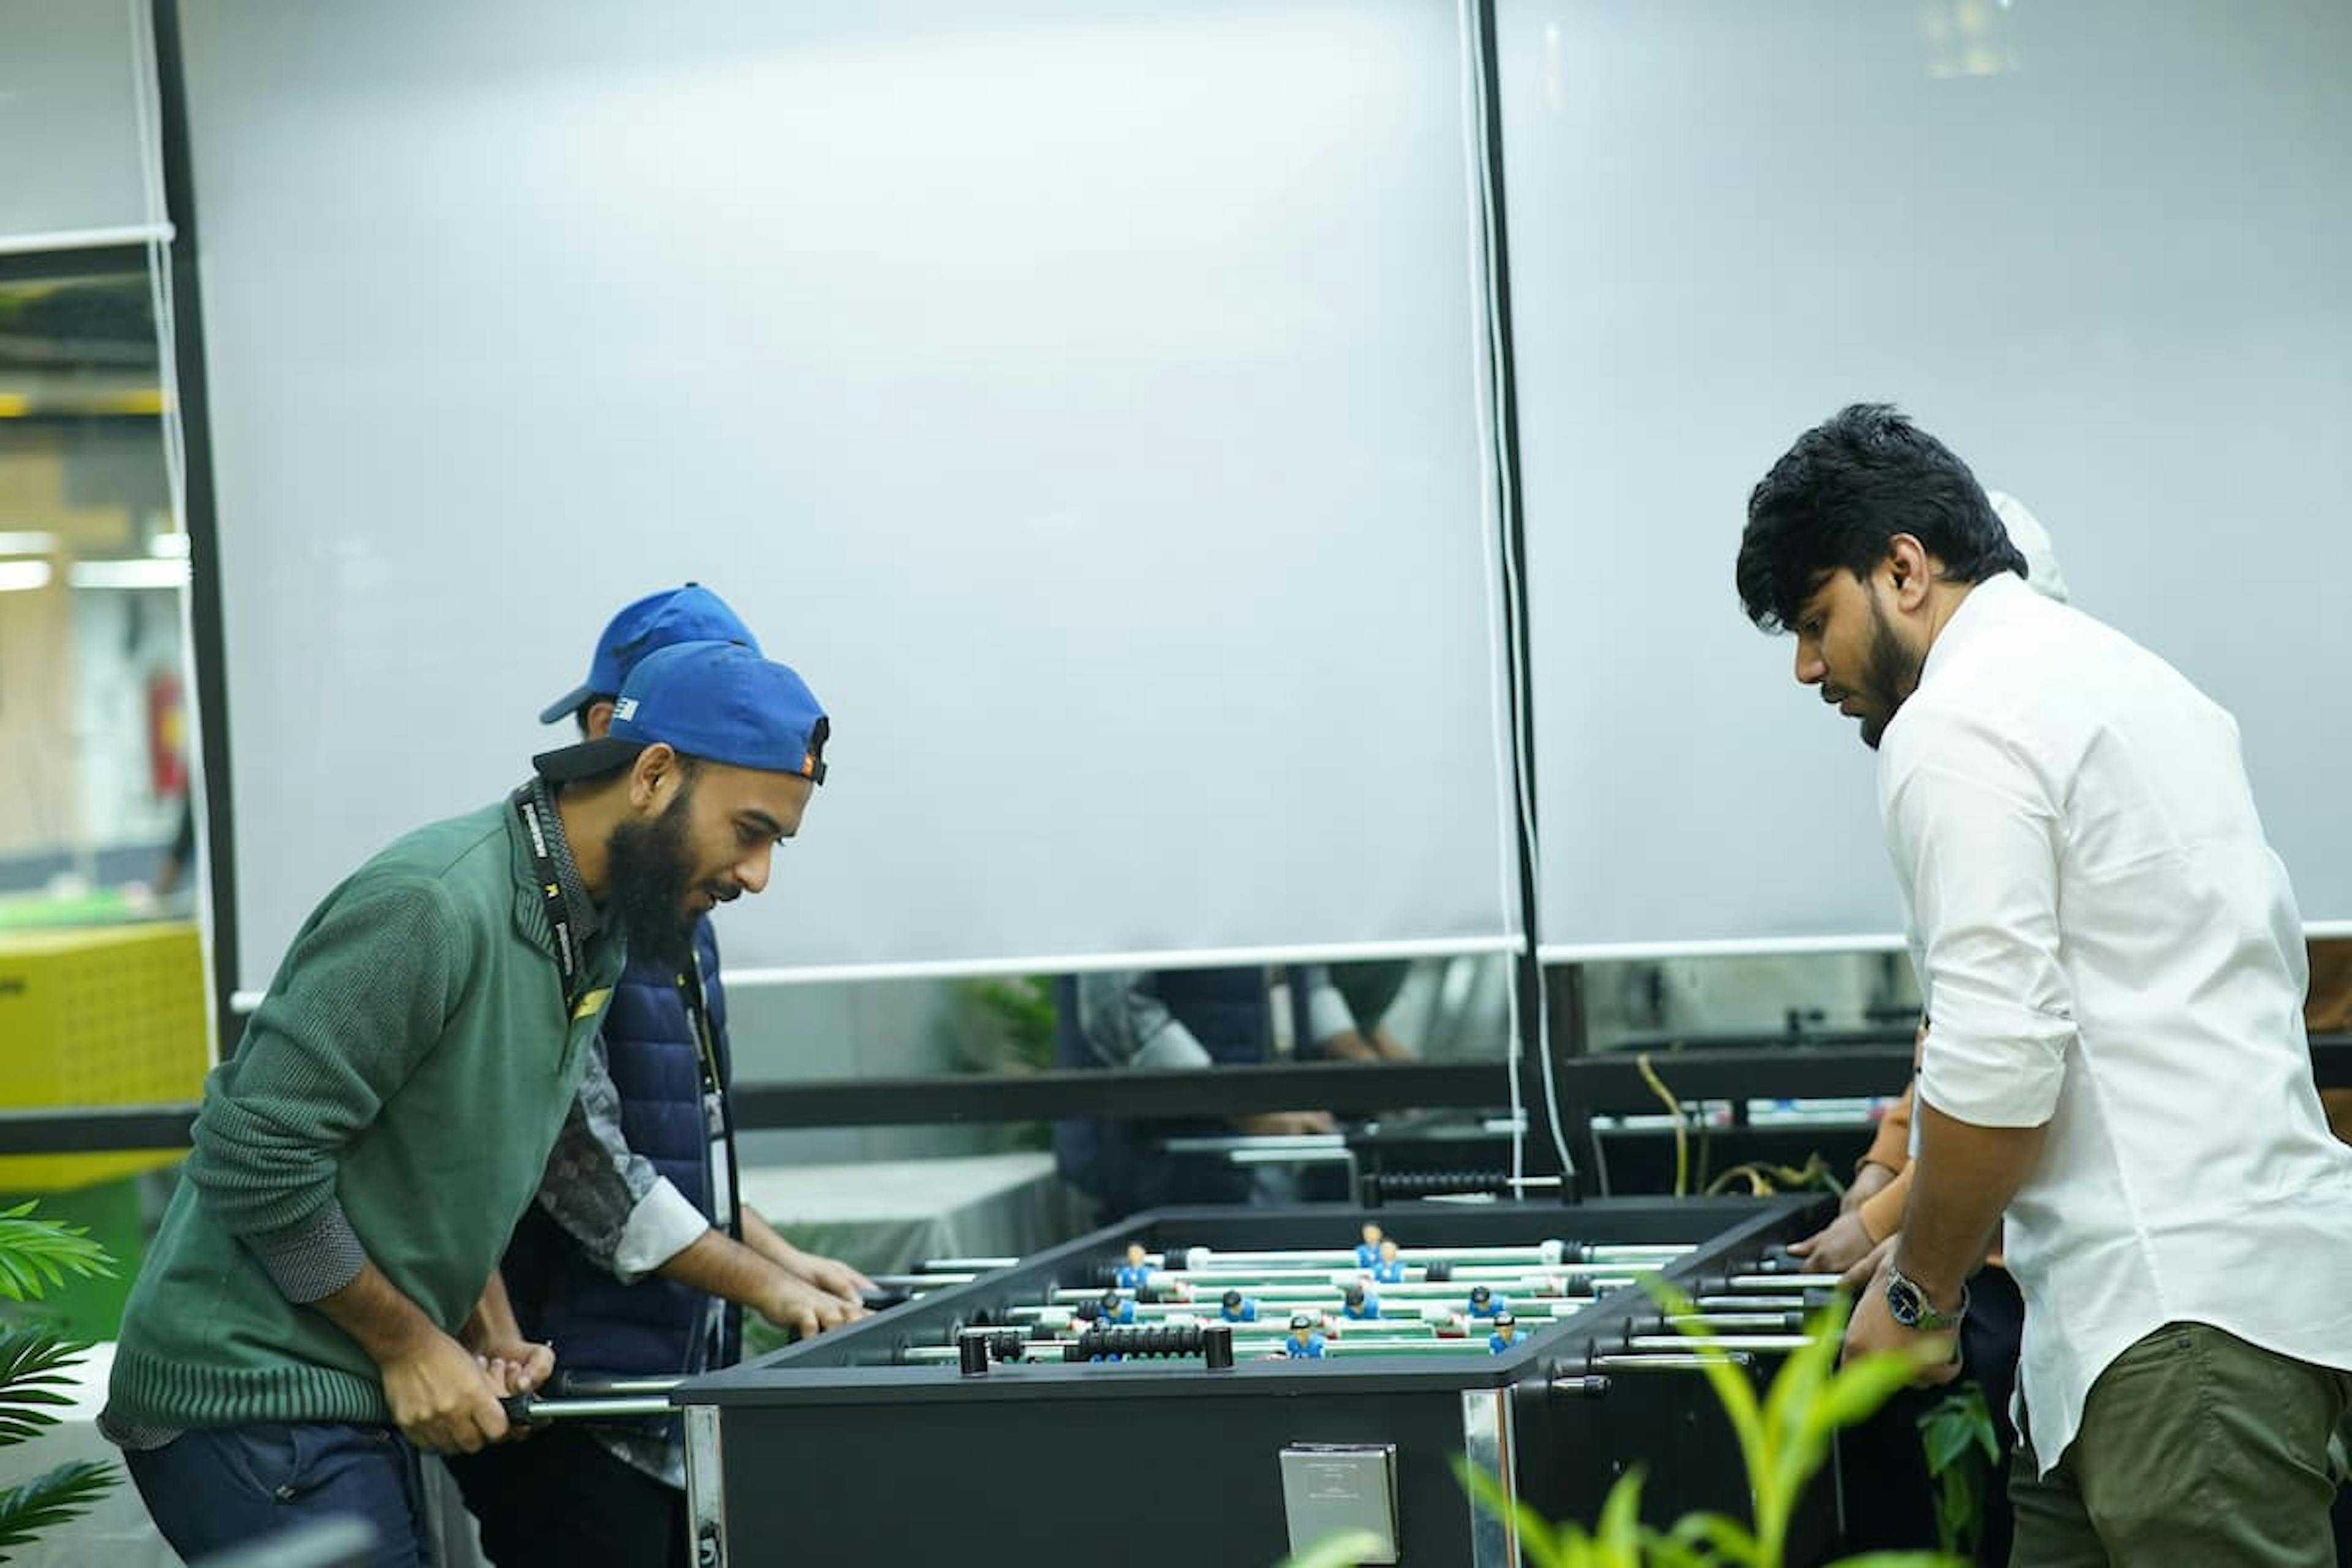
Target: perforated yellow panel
(109,1015)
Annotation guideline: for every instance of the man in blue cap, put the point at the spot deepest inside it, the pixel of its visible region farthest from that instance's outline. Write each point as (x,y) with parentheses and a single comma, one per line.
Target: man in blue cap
(313,1310)
(635,1261)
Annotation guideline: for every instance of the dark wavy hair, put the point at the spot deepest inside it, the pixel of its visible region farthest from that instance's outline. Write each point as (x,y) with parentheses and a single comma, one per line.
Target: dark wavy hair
(1848,486)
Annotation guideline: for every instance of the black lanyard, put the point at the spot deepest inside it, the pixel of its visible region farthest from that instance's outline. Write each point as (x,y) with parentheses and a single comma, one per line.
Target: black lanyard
(689,991)
(569,962)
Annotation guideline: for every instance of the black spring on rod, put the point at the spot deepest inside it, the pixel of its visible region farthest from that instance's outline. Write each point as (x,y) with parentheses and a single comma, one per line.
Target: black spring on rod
(975,1348)
(1380,1185)
(1212,1341)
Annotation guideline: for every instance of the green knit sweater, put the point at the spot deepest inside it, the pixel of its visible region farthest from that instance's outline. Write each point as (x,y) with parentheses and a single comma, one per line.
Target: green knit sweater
(407,1072)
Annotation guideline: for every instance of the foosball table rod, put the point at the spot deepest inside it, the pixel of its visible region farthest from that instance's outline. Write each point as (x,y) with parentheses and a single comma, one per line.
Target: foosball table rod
(1549,1254)
(1616,1363)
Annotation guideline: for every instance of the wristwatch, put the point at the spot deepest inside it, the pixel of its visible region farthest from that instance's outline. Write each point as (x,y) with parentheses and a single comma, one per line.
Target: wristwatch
(1908,1305)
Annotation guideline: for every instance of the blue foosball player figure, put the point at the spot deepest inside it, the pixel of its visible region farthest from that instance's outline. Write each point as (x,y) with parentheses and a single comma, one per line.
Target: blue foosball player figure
(1389,1269)
(1114,1309)
(1304,1344)
(1134,1274)
(1367,1251)
(1237,1309)
(1485,1304)
(1360,1304)
(1505,1334)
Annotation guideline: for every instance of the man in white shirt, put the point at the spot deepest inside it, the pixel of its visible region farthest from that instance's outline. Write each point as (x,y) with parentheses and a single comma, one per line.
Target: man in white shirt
(2112,957)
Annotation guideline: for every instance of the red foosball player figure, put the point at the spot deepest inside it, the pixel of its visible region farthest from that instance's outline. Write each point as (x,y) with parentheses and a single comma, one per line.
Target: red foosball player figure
(1389,1269)
(1505,1334)
(1304,1344)
(1367,1251)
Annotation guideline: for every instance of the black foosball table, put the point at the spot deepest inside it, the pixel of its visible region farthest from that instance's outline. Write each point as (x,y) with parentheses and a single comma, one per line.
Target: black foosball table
(1215,1388)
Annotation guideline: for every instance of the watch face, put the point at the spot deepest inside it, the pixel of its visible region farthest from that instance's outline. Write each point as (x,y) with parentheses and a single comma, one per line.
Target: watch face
(1904,1302)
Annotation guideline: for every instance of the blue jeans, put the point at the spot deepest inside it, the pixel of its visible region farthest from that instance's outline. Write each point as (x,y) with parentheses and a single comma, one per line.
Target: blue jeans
(224,1486)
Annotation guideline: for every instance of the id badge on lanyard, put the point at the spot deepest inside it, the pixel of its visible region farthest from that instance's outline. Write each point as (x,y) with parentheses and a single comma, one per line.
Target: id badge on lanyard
(717,1134)
(722,1190)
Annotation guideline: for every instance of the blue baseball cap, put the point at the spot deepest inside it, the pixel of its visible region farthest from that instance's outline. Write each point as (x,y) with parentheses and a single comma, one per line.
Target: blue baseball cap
(718,701)
(691,614)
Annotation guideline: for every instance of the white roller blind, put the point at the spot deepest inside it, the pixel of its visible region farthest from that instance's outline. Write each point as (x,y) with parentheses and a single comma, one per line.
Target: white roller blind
(2099,248)
(1080,396)
(72,129)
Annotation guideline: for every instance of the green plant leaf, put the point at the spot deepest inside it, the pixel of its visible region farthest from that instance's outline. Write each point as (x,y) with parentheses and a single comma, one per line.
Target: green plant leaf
(1853,1394)
(51,1499)
(1944,1442)
(1343,1549)
(1860,1387)
(1961,1448)
(1957,1421)
(1803,1376)
(1959,1520)
(1718,1532)
(1665,1551)
(1617,1533)
(1543,1545)
(1797,1426)
(35,1364)
(1784,1439)
(36,1255)
(1732,1389)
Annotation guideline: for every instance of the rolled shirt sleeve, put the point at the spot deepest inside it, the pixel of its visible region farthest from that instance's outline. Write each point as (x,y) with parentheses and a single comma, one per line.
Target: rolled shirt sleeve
(1973,837)
(1126,1026)
(1881,1212)
(1890,1146)
(311,1258)
(1327,1014)
(626,1216)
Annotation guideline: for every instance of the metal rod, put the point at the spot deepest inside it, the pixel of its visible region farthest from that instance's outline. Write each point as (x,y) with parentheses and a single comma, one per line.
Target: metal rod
(1774,1345)
(1548,1255)
(578,1385)
(1213,1288)
(1784,1281)
(1720,1322)
(1473,1273)
(1754,1304)
(1669,1362)
(533,1411)
(962,1265)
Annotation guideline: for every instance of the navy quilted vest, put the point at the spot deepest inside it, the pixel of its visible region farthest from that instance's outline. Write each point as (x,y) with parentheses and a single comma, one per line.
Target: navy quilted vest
(596,1323)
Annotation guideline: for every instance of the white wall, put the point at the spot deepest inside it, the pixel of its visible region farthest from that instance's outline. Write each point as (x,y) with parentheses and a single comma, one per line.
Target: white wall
(2102,249)
(1081,396)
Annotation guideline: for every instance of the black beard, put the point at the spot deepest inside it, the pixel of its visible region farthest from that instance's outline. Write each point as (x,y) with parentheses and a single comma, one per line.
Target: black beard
(651,871)
(1889,675)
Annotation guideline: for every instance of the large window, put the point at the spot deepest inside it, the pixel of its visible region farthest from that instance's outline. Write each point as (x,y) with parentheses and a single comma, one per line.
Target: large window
(96,743)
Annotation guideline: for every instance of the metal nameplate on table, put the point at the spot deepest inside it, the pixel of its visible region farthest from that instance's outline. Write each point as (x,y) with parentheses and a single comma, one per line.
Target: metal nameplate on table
(1327,1487)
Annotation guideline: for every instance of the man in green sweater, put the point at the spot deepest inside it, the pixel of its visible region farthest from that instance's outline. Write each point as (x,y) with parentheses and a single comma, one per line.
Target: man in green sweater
(312,1311)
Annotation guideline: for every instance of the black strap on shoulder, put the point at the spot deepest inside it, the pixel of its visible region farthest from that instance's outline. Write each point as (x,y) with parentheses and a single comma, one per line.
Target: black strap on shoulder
(569,960)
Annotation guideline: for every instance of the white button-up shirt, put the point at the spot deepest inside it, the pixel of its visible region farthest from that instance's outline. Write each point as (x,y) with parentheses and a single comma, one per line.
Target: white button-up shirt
(2108,943)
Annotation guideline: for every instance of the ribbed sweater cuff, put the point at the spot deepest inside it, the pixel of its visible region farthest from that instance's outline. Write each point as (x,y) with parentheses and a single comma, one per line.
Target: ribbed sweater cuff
(311,1257)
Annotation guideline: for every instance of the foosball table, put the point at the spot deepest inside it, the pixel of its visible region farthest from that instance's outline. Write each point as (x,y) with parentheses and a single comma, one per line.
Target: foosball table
(1222,1386)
